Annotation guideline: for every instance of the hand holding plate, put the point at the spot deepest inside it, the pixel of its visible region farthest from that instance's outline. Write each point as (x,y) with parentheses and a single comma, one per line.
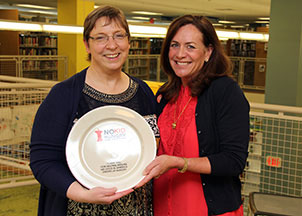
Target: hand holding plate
(100,195)
(157,167)
(97,195)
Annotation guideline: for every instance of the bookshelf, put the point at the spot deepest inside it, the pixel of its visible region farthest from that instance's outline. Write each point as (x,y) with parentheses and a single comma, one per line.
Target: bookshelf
(8,43)
(155,45)
(242,48)
(254,72)
(139,46)
(39,44)
(137,65)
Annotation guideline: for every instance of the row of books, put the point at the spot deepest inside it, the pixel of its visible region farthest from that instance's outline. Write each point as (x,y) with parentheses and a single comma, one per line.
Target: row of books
(35,65)
(36,41)
(37,51)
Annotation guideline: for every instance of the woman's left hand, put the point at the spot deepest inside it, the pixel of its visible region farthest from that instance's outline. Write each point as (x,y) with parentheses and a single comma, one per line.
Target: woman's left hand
(159,166)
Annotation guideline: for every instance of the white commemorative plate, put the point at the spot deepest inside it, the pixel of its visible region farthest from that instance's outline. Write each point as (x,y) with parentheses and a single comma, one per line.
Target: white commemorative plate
(110,147)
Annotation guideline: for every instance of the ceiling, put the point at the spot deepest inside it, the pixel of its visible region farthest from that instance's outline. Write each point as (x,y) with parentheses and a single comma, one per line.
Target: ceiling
(239,11)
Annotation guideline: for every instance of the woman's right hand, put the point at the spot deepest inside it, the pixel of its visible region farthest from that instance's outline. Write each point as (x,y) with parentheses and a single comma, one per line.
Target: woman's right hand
(97,195)
(159,166)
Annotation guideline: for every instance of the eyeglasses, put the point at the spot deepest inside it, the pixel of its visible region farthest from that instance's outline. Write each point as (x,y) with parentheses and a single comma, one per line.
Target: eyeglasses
(103,38)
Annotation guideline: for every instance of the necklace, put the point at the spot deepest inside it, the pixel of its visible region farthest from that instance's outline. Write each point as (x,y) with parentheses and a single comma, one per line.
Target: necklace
(175,121)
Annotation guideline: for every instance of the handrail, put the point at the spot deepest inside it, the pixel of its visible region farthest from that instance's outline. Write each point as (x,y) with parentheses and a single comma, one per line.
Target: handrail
(25,80)
(24,85)
(36,83)
(21,82)
(276,108)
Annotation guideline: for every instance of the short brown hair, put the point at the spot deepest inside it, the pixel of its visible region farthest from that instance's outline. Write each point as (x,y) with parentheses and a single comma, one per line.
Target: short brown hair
(112,13)
(218,65)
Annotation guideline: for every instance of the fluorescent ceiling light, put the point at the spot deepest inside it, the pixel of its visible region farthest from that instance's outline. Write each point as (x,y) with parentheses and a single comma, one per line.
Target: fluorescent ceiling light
(237,26)
(135,30)
(226,22)
(141,18)
(147,13)
(133,21)
(17,26)
(242,35)
(147,29)
(42,12)
(264,18)
(227,34)
(29,10)
(264,22)
(251,36)
(223,39)
(35,6)
(148,35)
(63,29)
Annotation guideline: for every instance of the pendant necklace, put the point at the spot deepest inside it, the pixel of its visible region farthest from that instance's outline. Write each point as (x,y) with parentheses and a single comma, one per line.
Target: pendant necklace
(175,121)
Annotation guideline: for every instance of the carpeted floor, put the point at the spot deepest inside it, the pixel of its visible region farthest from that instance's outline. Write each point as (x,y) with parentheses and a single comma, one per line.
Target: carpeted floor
(19,201)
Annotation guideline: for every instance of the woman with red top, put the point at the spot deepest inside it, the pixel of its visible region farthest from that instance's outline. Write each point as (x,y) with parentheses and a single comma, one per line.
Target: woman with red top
(203,117)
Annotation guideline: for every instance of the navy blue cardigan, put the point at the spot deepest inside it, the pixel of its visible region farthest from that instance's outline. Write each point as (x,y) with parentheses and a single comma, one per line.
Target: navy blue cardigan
(222,121)
(51,127)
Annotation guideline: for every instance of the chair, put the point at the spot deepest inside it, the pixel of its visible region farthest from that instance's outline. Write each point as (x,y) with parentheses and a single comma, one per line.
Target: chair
(274,204)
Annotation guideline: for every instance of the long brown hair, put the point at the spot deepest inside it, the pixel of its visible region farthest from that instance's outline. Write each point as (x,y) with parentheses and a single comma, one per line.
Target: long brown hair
(218,64)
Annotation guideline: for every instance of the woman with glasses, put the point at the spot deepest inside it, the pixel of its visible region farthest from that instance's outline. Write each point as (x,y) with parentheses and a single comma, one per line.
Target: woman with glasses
(106,38)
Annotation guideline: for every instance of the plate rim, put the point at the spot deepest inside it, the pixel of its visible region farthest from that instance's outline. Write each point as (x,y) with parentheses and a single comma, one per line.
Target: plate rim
(112,109)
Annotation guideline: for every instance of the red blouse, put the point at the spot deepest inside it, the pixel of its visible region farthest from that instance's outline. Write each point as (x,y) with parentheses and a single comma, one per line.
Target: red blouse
(180,193)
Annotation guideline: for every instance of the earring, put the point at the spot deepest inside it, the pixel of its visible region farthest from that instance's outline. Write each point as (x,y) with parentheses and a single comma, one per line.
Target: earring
(206,60)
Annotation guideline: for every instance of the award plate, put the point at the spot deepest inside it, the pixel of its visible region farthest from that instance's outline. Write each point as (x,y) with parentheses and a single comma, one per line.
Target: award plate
(110,147)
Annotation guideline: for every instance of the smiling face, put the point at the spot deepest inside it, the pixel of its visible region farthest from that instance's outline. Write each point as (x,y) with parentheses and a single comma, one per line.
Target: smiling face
(112,54)
(187,52)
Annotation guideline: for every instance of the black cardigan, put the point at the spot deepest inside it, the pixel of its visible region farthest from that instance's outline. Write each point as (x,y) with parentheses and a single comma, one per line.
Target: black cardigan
(52,125)
(222,122)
